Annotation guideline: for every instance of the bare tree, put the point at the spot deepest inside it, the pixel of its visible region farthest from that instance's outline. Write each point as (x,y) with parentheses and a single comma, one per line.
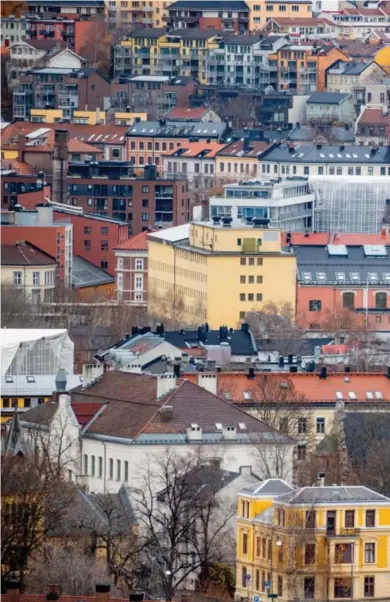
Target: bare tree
(97,47)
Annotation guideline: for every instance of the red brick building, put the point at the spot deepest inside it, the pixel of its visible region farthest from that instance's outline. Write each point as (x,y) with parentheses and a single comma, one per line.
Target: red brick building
(131,281)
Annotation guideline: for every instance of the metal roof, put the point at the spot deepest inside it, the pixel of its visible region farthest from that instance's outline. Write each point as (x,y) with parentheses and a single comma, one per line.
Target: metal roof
(305,153)
(39,385)
(172,234)
(329,98)
(85,274)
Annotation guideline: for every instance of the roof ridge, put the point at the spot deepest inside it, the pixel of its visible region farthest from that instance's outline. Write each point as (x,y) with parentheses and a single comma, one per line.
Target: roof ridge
(113,399)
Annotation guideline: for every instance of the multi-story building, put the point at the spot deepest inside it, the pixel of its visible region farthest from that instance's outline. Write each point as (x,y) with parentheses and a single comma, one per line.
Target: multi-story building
(359,22)
(262,12)
(350,271)
(328,107)
(322,543)
(150,13)
(60,88)
(373,127)
(148,141)
(195,266)
(239,159)
(131,279)
(347,77)
(209,14)
(85,8)
(287,203)
(195,161)
(302,28)
(109,188)
(38,228)
(302,67)
(28,270)
(30,54)
(14,29)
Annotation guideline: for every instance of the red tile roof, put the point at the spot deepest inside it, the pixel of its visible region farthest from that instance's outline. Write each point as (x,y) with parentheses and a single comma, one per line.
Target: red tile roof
(86,411)
(192,113)
(192,149)
(139,242)
(374,117)
(235,149)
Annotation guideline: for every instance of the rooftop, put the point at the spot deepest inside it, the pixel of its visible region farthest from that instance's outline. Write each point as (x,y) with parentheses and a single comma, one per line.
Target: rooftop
(330,98)
(204,149)
(178,129)
(267,488)
(85,273)
(240,148)
(25,254)
(335,494)
(187,113)
(238,5)
(302,153)
(372,116)
(139,242)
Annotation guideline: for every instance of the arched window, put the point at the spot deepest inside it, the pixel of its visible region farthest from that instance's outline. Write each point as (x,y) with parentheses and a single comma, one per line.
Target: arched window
(380,300)
(349,300)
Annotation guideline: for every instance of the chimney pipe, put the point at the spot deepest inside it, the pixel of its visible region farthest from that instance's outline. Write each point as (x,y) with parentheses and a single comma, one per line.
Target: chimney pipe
(102,592)
(323,373)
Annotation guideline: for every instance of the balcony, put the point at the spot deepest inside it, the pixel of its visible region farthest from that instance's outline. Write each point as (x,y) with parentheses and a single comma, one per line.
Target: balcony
(347,532)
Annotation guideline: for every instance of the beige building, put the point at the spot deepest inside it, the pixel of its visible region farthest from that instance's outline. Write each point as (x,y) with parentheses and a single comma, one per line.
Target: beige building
(147,13)
(218,271)
(260,11)
(29,270)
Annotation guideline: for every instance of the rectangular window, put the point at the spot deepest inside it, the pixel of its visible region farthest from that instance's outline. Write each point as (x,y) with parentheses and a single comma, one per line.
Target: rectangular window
(36,278)
(349,519)
(245,543)
(343,553)
(320,425)
(87,245)
(126,476)
(145,217)
(85,464)
(259,296)
(243,260)
(242,296)
(87,230)
(17,278)
(310,553)
(250,297)
(369,587)
(258,546)
(257,580)
(369,552)
(302,426)
(370,518)
(259,279)
(251,261)
(118,470)
(104,230)
(104,245)
(342,587)
(139,264)
(100,464)
(242,279)
(92,466)
(243,576)
(280,586)
(309,586)
(301,452)
(111,469)
(259,261)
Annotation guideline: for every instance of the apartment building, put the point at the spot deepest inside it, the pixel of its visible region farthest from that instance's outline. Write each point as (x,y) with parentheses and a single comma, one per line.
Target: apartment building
(131,266)
(347,77)
(359,22)
(195,161)
(62,88)
(328,107)
(14,29)
(109,188)
(321,542)
(373,127)
(233,15)
(302,67)
(86,8)
(145,13)
(262,12)
(302,28)
(196,265)
(287,203)
(239,159)
(149,141)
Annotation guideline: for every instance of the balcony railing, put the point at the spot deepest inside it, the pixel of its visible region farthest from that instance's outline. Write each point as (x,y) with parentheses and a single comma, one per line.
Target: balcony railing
(346,532)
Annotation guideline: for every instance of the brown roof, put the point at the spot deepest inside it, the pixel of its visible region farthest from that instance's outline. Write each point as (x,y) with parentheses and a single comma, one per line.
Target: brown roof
(235,149)
(76,146)
(42,414)
(25,254)
(45,44)
(139,242)
(374,117)
(192,113)
(192,149)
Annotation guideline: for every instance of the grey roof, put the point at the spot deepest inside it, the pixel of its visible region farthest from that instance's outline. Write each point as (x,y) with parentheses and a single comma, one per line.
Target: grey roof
(269,487)
(351,68)
(178,129)
(85,273)
(314,261)
(244,40)
(266,517)
(198,34)
(14,443)
(334,494)
(305,153)
(204,480)
(239,5)
(147,32)
(42,414)
(43,385)
(330,98)
(330,133)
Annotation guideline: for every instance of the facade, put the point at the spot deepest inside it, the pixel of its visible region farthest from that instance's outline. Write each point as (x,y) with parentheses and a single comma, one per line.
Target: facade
(195,161)
(373,127)
(261,12)
(313,543)
(345,77)
(239,159)
(359,22)
(196,265)
(28,270)
(109,188)
(287,203)
(131,278)
(152,13)
(302,28)
(195,14)
(29,54)
(60,88)
(327,107)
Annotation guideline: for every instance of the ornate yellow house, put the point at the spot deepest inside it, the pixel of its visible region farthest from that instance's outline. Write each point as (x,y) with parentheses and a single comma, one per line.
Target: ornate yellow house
(313,543)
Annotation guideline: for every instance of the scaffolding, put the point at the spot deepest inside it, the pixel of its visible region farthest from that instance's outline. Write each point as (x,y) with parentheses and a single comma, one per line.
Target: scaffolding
(350,204)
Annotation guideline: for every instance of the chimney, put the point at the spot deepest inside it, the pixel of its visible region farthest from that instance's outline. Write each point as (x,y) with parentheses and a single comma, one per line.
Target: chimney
(91,372)
(165,384)
(64,400)
(166,413)
(61,380)
(102,592)
(21,146)
(13,591)
(323,373)
(321,479)
(208,382)
(60,165)
(383,232)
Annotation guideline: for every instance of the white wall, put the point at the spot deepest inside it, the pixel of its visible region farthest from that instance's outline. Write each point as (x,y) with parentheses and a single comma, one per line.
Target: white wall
(66,60)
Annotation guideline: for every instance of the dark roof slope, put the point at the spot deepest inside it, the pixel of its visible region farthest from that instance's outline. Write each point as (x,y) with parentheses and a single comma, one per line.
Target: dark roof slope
(25,254)
(334,494)
(239,5)
(330,98)
(85,274)
(42,414)
(240,341)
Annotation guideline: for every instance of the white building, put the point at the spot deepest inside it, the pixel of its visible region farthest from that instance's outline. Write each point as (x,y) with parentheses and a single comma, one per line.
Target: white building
(134,418)
(194,160)
(286,202)
(14,29)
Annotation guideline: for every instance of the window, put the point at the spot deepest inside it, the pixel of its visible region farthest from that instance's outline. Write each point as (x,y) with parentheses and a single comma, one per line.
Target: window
(87,245)
(342,587)
(343,553)
(245,543)
(369,587)
(349,519)
(92,466)
(6,403)
(309,586)
(87,230)
(104,245)
(118,470)
(315,305)
(104,230)
(260,261)
(301,452)
(257,580)
(349,300)
(244,509)
(27,402)
(145,188)
(320,425)
(243,261)
(126,477)
(85,464)
(251,261)
(145,202)
(310,553)
(145,217)
(17,278)
(280,585)
(242,296)
(381,300)
(283,425)
(242,279)
(370,518)
(310,519)
(369,552)
(251,279)
(111,469)
(104,265)
(302,426)
(250,297)
(139,264)
(259,296)
(258,547)
(100,467)
(244,577)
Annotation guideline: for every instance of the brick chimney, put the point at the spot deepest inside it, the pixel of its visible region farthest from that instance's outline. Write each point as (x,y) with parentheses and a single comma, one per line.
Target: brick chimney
(102,592)
(13,591)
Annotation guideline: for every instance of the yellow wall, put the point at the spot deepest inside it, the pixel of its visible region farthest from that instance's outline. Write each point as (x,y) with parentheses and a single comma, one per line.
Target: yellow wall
(129,118)
(8,154)
(258,11)
(382,57)
(209,284)
(49,115)
(231,168)
(91,116)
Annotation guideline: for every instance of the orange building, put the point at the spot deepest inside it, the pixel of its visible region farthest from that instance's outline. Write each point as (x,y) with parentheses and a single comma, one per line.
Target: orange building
(342,272)
(302,66)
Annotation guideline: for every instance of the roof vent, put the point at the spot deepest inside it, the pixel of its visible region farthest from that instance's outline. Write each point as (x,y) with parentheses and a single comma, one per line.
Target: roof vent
(226,222)
(166,413)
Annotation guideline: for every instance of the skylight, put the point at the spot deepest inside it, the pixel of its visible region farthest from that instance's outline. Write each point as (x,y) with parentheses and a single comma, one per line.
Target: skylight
(242,426)
(338,250)
(375,250)
(352,395)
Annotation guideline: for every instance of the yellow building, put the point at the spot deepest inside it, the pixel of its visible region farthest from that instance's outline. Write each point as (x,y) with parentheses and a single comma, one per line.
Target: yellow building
(260,11)
(147,13)
(46,115)
(322,543)
(129,118)
(382,57)
(89,117)
(218,271)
